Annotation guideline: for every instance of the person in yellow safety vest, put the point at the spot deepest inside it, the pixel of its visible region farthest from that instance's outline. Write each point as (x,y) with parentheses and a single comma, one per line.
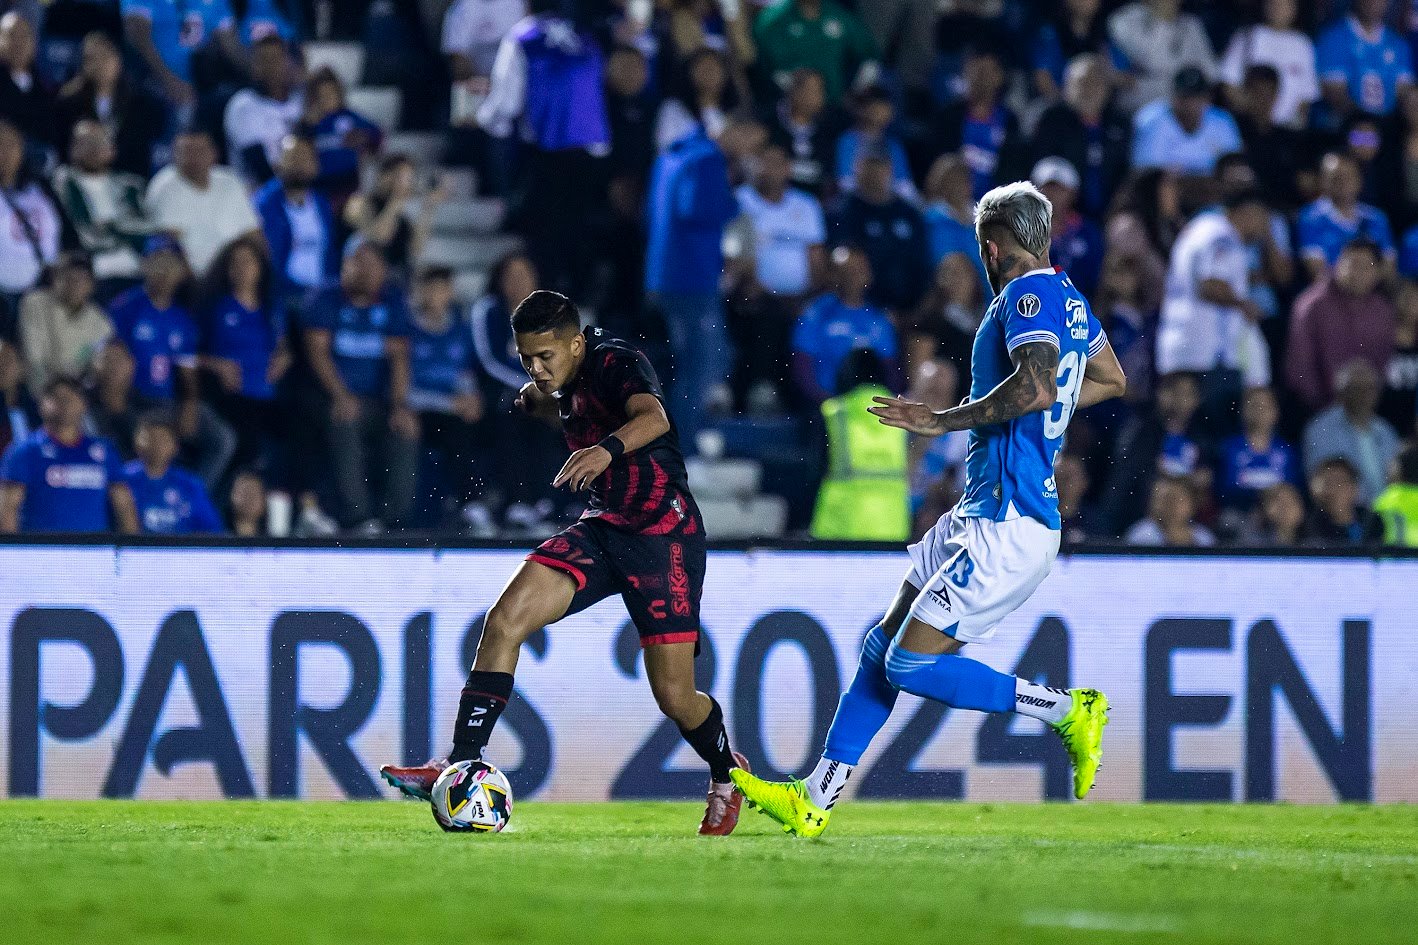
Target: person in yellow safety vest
(864,496)
(1398,504)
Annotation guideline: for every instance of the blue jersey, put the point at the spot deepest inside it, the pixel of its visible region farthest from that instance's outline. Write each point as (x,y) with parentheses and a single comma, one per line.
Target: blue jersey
(1322,231)
(66,487)
(247,336)
(359,336)
(1371,67)
(180,28)
(175,503)
(1009,467)
(160,340)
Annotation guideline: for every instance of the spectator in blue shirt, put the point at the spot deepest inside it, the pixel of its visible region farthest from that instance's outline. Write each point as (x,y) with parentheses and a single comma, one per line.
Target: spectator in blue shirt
(357,341)
(166,34)
(981,127)
(872,133)
(836,324)
(298,222)
(1337,218)
(242,348)
(1187,133)
(169,500)
(343,137)
(59,479)
(153,323)
(1255,459)
(1076,242)
(689,204)
(1078,29)
(1362,63)
(265,18)
(950,215)
(444,390)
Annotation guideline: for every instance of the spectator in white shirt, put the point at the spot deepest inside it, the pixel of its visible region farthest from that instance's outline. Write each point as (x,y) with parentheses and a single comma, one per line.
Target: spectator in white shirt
(29,227)
(472,30)
(1276,43)
(257,118)
(1208,321)
(205,205)
(1171,518)
(704,100)
(788,228)
(1157,40)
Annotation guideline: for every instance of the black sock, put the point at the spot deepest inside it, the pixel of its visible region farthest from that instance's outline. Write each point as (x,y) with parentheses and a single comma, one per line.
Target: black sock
(484,697)
(711,743)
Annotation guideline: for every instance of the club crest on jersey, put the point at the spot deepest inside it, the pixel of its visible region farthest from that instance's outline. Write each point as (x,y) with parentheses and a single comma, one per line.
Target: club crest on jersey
(1028,305)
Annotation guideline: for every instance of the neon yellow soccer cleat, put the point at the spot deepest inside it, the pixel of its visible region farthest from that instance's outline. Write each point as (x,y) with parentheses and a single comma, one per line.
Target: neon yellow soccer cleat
(1082,734)
(785,801)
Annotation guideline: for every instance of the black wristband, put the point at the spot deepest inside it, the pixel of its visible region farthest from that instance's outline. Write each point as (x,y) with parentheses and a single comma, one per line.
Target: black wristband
(613,445)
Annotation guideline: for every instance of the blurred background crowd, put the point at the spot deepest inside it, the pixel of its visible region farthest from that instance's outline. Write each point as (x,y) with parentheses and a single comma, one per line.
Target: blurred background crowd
(257,257)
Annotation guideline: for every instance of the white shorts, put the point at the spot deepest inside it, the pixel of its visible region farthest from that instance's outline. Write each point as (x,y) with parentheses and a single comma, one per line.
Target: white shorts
(974,572)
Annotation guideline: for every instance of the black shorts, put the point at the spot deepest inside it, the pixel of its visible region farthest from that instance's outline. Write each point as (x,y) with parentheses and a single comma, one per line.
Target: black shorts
(660,577)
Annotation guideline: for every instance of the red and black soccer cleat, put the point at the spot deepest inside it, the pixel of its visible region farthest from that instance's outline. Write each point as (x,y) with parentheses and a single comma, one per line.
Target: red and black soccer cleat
(415,780)
(722,814)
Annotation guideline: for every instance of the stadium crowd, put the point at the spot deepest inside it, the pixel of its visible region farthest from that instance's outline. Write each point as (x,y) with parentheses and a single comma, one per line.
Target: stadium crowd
(217,314)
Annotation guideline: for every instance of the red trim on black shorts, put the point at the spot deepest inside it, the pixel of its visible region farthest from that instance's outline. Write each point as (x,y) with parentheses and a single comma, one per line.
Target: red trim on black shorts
(661,639)
(576,573)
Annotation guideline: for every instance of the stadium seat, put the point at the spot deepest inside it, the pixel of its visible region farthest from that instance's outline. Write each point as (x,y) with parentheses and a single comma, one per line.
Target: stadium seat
(724,478)
(346,60)
(466,252)
(468,217)
(380,104)
(425,148)
(764,516)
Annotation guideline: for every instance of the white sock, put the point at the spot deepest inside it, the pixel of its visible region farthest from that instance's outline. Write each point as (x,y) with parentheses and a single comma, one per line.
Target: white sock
(825,783)
(1041,702)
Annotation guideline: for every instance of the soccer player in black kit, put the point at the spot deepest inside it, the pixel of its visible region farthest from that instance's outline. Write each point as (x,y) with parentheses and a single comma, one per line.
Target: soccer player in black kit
(641,537)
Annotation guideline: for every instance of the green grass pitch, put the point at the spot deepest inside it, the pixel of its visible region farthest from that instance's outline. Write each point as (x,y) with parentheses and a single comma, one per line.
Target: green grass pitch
(113,873)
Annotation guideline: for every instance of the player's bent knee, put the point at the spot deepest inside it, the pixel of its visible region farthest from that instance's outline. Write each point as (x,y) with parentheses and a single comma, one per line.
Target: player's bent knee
(679,704)
(506,627)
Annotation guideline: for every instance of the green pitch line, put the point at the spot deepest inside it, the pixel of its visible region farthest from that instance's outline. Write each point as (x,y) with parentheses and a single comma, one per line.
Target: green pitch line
(113,873)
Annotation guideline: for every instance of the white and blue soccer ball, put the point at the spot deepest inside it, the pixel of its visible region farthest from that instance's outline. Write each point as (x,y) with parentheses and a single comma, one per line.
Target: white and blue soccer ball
(471,797)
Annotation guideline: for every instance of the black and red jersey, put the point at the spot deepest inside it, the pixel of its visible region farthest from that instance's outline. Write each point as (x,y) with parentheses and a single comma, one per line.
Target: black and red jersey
(647,490)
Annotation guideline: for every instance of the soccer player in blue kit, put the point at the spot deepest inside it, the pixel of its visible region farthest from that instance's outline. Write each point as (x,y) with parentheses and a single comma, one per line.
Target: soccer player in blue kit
(1038,356)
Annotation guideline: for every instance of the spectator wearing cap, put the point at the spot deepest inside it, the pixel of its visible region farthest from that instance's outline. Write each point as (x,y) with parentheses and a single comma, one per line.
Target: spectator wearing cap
(168,35)
(60,479)
(169,500)
(1342,317)
(1363,64)
(204,204)
(871,132)
(298,222)
(1351,429)
(105,206)
(980,126)
(1155,41)
(104,92)
(1337,218)
(1185,133)
(548,85)
(815,34)
(1089,131)
(62,331)
(25,99)
(29,228)
(153,323)
(1275,43)
(1076,243)
(356,336)
(257,118)
(889,230)
(1209,323)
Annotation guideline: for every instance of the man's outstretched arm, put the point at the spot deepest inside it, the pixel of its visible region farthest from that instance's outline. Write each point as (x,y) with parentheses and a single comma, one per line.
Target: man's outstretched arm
(1033,386)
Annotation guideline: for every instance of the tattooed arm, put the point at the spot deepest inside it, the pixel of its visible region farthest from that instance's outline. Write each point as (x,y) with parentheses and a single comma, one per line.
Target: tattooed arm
(1033,386)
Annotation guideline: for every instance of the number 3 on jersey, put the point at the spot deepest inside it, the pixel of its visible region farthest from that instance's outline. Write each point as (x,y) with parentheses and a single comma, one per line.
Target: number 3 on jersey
(1070,379)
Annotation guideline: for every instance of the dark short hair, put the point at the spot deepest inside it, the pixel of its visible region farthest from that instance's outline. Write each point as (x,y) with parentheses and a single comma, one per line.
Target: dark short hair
(270,39)
(63,380)
(435,274)
(158,417)
(1337,462)
(1242,197)
(1262,72)
(73,259)
(861,366)
(1365,245)
(545,310)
